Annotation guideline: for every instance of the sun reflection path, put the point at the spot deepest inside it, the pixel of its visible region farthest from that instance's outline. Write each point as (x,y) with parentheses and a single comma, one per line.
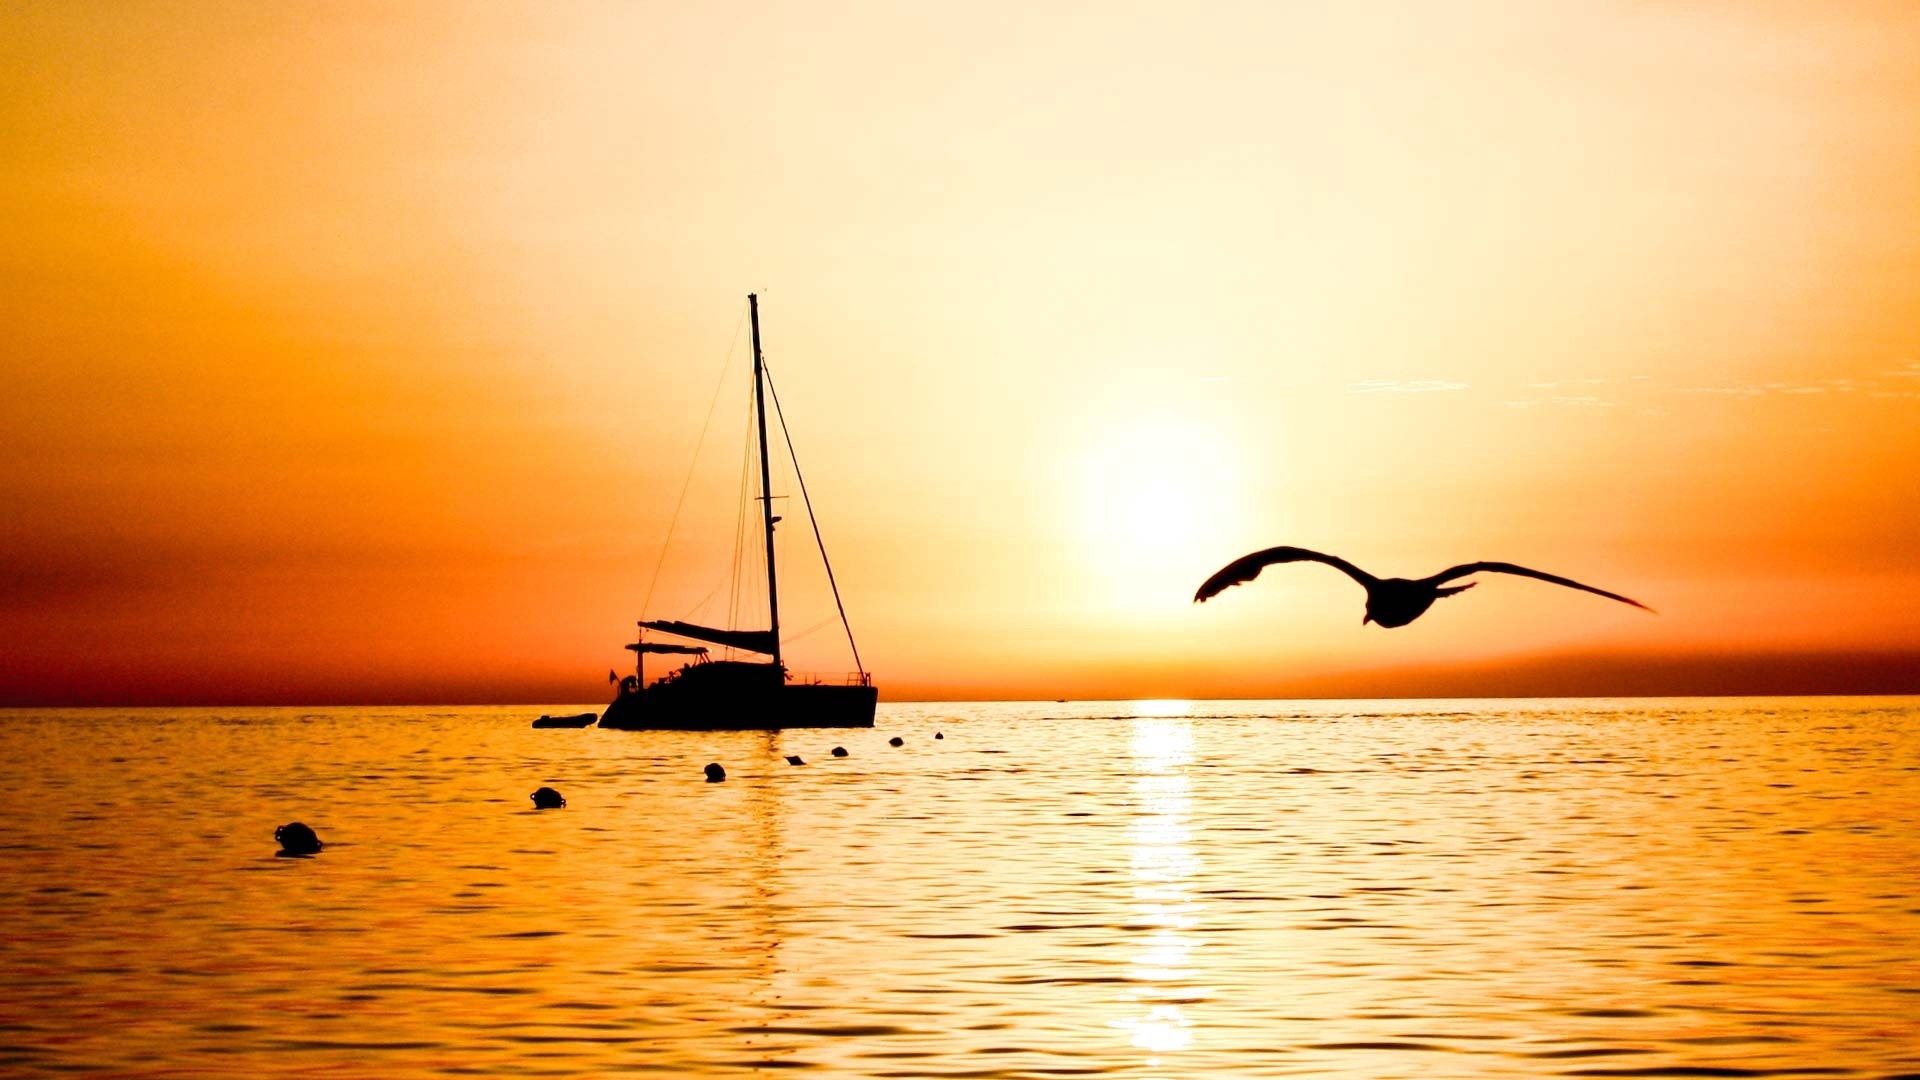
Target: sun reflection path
(1163,867)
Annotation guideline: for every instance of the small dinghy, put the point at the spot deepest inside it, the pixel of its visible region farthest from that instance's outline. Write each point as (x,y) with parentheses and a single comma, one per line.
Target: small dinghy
(582,720)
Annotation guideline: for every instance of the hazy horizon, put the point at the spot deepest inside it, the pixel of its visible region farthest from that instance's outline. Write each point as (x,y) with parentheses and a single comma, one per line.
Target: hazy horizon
(1889,675)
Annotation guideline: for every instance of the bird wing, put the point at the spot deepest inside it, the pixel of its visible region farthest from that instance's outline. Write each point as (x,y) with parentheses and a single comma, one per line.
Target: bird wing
(1248,567)
(1465,569)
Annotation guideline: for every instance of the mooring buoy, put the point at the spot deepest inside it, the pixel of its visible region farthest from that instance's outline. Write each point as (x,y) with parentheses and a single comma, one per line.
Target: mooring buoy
(296,838)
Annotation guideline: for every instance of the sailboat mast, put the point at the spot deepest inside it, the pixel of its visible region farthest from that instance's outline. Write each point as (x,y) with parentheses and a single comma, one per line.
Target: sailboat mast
(766,483)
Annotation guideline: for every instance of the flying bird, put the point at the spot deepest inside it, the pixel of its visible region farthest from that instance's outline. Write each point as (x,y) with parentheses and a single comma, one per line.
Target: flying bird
(1390,601)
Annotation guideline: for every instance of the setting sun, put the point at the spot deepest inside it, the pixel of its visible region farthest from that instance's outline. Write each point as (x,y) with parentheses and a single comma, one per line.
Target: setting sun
(1154,493)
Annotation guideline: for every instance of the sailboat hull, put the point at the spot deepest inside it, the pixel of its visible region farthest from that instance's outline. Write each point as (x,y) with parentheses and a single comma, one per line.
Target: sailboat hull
(731,696)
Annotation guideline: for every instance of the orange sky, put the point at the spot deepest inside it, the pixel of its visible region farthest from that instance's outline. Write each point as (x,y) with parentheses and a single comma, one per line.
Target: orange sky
(359,354)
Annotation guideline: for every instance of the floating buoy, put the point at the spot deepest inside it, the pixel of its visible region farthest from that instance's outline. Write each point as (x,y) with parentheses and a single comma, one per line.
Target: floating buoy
(896,741)
(548,799)
(839,751)
(297,839)
(715,773)
(937,735)
(794,759)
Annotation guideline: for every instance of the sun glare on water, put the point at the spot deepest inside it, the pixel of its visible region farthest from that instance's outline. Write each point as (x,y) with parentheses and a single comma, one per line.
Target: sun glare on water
(1164,865)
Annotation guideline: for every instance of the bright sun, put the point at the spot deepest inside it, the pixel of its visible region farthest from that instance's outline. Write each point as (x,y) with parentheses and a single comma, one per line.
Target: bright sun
(1157,498)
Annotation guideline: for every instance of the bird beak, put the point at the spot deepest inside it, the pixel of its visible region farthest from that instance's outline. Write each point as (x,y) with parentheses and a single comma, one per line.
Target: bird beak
(1365,619)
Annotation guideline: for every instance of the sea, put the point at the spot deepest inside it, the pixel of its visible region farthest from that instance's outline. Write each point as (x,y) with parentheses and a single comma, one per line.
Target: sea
(1366,889)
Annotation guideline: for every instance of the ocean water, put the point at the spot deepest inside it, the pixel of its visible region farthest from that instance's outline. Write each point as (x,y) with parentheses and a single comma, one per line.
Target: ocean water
(1154,889)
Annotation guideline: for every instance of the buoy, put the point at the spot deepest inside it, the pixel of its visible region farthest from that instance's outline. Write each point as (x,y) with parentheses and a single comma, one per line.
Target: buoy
(548,799)
(297,839)
(794,759)
(896,741)
(937,735)
(715,773)
(839,751)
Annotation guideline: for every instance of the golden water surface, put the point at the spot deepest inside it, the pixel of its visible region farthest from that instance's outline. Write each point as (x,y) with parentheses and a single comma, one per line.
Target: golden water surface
(1150,889)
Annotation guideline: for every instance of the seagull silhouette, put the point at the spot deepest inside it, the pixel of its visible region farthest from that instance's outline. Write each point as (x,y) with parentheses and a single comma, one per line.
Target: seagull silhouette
(1390,601)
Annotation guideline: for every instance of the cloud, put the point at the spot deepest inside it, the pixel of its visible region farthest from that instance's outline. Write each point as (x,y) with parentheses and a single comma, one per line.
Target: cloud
(1581,392)
(1567,393)
(1406,386)
(1824,386)
(1882,385)
(1728,391)
(1632,391)
(1564,401)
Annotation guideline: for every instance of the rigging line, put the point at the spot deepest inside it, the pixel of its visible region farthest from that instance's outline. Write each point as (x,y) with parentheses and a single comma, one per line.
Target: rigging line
(694,612)
(788,640)
(674,521)
(730,585)
(787,434)
(741,502)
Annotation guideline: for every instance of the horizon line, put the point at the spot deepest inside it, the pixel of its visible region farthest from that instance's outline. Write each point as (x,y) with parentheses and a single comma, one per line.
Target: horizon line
(990,700)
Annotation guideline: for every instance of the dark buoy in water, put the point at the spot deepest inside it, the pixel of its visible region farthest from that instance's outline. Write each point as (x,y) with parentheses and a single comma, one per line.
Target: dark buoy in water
(715,773)
(548,799)
(839,751)
(296,839)
(937,735)
(896,741)
(794,759)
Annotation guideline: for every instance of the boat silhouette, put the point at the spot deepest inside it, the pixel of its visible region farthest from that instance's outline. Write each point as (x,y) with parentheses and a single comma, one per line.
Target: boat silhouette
(713,695)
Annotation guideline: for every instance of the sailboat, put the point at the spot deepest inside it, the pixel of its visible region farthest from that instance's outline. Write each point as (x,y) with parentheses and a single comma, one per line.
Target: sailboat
(715,695)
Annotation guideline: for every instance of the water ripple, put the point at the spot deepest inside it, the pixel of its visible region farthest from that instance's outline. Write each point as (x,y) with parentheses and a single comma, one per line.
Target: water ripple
(1348,889)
